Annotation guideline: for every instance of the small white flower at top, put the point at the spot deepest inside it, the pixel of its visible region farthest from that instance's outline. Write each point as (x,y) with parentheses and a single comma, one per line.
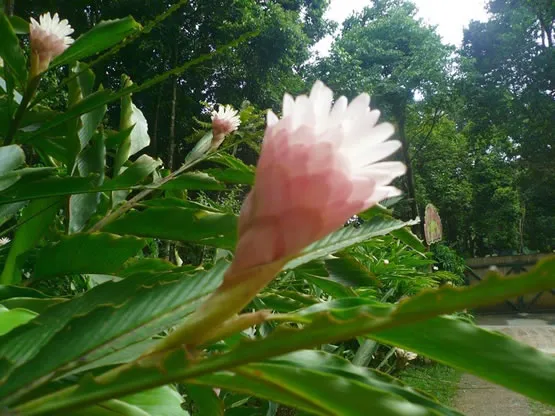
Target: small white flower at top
(386,262)
(224,121)
(49,39)
(4,241)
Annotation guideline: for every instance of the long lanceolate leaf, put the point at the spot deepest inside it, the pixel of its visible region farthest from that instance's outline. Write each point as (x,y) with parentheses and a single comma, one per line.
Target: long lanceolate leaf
(103,36)
(325,384)
(108,318)
(101,98)
(10,51)
(346,237)
(97,253)
(491,356)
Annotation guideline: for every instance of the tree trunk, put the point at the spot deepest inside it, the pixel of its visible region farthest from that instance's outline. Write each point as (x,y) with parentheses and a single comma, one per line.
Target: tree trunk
(154,142)
(409,176)
(168,248)
(8,7)
(171,147)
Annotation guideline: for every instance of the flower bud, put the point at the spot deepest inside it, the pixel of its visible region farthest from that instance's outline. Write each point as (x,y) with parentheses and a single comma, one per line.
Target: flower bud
(224,122)
(319,165)
(49,39)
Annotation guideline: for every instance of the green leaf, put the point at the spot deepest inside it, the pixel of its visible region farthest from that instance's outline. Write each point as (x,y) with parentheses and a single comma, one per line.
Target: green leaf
(493,289)
(346,237)
(499,359)
(83,206)
(140,266)
(139,135)
(410,239)
(201,148)
(205,400)
(102,36)
(17,97)
(35,220)
(8,211)
(85,78)
(20,26)
(7,292)
(349,272)
(89,123)
(193,181)
(86,105)
(12,318)
(285,301)
(232,162)
(49,187)
(122,356)
(116,138)
(135,173)
(177,202)
(106,319)
(97,253)
(10,178)
(163,401)
(130,117)
(315,273)
(233,176)
(59,186)
(37,305)
(62,148)
(11,52)
(179,224)
(111,408)
(325,384)
(11,157)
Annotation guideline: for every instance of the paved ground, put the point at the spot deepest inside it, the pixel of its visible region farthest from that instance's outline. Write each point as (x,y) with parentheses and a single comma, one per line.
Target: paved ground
(480,398)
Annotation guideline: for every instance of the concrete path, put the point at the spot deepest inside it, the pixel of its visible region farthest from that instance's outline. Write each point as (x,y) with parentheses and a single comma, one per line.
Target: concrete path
(480,398)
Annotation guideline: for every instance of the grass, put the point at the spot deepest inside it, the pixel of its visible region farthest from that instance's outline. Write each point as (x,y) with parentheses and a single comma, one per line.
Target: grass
(540,409)
(436,379)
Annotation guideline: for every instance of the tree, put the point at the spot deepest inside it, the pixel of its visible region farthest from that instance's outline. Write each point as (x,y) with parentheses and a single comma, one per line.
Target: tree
(386,51)
(507,85)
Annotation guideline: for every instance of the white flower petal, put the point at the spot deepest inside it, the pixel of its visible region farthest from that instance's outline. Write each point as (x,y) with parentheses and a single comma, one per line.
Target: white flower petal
(49,38)
(288,105)
(271,118)
(358,107)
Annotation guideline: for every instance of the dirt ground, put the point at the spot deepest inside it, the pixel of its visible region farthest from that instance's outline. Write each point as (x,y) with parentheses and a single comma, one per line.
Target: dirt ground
(481,398)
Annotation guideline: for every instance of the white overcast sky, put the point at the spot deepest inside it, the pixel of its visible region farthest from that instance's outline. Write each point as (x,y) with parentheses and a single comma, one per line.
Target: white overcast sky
(449,15)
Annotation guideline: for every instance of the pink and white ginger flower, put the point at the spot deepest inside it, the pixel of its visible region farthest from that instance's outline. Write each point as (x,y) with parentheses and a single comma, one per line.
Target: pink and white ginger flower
(49,39)
(319,165)
(224,122)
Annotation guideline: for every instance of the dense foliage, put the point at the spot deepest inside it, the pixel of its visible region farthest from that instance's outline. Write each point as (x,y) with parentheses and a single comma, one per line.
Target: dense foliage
(119,215)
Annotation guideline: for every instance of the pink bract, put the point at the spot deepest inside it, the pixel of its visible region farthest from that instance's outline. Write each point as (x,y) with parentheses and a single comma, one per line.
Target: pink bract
(319,165)
(49,38)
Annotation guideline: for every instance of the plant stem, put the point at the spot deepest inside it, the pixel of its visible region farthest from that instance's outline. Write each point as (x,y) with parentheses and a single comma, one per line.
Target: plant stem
(195,157)
(29,92)
(9,7)
(216,315)
(113,215)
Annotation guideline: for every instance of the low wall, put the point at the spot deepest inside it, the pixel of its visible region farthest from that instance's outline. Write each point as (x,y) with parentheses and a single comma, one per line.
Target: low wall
(478,268)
